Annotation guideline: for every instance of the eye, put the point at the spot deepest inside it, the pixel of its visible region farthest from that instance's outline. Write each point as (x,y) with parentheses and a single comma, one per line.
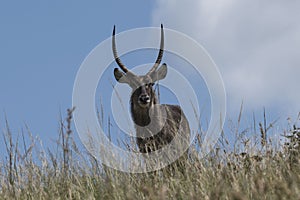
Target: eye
(148,85)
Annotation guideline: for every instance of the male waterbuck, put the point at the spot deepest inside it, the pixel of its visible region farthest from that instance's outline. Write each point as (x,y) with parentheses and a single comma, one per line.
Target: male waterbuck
(156,124)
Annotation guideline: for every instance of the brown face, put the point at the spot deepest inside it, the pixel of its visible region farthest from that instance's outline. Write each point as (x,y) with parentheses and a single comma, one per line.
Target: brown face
(142,86)
(144,95)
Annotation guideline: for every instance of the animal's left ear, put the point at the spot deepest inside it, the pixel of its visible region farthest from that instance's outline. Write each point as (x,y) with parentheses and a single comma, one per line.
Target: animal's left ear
(160,74)
(120,76)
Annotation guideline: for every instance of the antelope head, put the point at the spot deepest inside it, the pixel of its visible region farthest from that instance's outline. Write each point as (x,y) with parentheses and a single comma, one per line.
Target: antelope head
(143,94)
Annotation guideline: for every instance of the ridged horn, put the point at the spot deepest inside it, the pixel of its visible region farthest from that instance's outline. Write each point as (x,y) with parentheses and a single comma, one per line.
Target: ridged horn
(161,51)
(114,49)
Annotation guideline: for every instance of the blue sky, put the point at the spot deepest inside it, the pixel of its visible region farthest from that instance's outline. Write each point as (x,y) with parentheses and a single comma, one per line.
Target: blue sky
(42,47)
(42,44)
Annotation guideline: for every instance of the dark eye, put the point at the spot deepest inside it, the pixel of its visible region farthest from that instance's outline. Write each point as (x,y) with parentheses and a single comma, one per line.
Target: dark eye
(148,85)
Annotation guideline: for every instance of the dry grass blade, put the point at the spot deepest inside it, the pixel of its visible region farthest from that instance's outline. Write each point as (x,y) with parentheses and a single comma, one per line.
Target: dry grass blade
(224,174)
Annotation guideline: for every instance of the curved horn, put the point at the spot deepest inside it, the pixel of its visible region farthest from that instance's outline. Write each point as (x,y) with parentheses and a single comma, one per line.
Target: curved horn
(161,51)
(114,49)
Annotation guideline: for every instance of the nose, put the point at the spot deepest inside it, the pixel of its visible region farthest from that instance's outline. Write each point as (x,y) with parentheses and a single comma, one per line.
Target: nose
(144,98)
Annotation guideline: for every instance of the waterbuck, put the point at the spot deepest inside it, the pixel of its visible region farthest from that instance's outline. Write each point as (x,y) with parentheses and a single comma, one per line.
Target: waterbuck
(156,124)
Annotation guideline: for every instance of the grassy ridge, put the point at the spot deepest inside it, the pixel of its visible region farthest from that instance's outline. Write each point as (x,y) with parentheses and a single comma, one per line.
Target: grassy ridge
(258,171)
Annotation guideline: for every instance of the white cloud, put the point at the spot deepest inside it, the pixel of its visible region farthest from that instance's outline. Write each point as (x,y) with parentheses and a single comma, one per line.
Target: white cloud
(256,45)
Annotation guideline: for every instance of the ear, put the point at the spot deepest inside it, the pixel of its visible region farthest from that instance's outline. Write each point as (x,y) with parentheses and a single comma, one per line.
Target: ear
(120,76)
(160,74)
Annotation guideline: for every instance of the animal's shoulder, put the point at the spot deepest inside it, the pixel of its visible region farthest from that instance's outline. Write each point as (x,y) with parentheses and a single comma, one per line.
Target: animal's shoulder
(173,108)
(173,111)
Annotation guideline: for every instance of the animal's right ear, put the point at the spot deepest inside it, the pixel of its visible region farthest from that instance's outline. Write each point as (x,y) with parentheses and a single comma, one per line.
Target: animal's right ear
(120,76)
(160,73)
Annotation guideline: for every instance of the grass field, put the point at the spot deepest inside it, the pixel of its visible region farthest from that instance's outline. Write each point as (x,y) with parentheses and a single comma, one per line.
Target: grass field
(251,169)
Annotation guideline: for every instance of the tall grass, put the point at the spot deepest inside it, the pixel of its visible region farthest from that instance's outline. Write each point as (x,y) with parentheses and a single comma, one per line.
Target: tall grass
(253,169)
